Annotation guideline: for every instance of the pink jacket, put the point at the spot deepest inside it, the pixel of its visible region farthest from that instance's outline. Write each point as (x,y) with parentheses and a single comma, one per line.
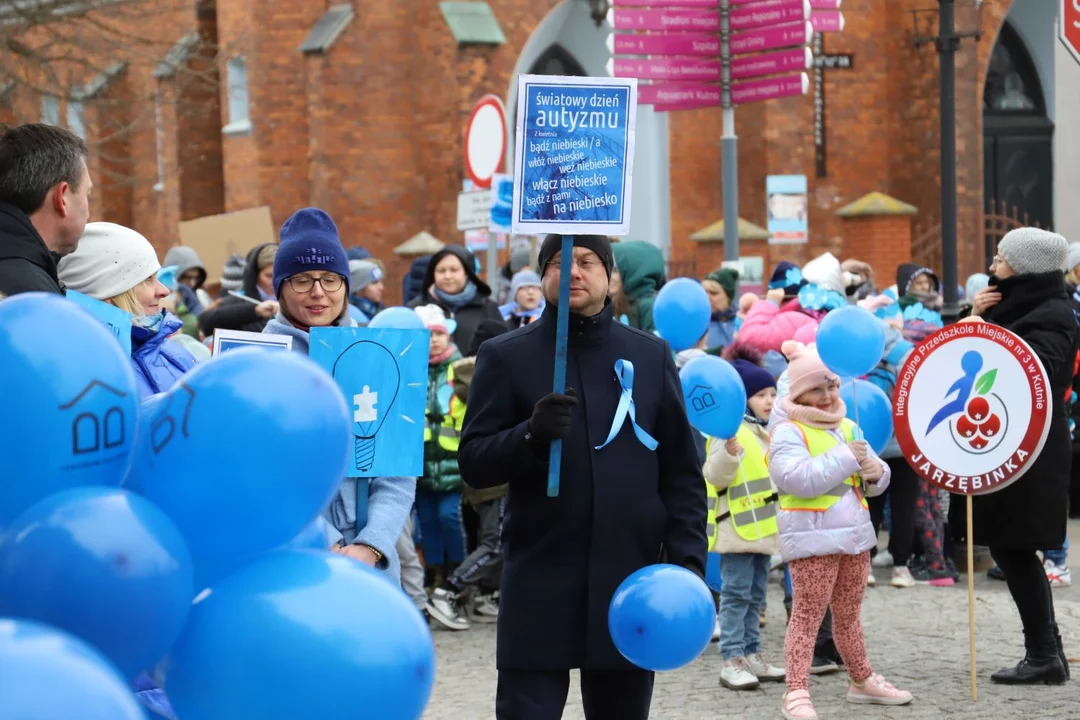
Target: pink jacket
(767,326)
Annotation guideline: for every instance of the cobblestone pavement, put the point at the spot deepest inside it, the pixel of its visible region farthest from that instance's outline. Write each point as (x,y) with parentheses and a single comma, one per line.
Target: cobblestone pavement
(917,638)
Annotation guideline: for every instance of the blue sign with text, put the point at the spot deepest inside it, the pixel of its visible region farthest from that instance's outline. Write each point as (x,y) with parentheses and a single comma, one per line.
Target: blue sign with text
(383,373)
(574,155)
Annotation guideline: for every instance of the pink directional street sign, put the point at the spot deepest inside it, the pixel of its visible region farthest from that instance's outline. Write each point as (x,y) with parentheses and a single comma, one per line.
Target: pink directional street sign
(749,66)
(769,89)
(667,69)
(755,16)
(694,20)
(680,96)
(771,38)
(668,44)
(825,21)
(709,4)
(825,4)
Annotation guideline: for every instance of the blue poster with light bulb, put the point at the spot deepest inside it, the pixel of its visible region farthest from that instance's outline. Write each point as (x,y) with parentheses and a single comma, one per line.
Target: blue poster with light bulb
(383,373)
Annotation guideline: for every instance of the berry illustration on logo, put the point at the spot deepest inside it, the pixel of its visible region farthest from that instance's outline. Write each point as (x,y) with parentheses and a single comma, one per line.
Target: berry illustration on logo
(983,415)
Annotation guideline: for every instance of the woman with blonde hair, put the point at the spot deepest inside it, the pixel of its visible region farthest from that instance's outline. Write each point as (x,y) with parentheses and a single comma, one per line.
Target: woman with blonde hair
(119,266)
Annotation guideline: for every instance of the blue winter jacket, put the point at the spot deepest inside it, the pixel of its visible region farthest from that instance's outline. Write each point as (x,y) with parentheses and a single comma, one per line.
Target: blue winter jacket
(158,362)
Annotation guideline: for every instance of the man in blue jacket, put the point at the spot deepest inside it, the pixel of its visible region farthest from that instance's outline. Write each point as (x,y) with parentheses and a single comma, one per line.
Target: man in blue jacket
(630,496)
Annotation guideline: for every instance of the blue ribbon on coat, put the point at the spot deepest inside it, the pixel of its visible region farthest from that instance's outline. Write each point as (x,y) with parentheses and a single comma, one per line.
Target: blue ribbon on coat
(624,372)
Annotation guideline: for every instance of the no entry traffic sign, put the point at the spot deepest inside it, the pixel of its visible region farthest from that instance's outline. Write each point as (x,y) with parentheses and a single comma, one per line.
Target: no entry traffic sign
(485,140)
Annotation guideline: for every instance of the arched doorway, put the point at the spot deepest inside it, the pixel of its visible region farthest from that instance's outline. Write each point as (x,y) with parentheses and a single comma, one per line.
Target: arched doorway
(1017,135)
(557,61)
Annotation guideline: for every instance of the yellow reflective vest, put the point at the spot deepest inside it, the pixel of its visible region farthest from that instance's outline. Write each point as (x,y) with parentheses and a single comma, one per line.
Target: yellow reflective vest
(450,429)
(751,499)
(820,442)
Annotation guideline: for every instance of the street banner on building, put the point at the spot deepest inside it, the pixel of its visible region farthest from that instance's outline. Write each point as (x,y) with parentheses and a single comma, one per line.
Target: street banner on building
(574,155)
(383,374)
(972,408)
(787,209)
(113,318)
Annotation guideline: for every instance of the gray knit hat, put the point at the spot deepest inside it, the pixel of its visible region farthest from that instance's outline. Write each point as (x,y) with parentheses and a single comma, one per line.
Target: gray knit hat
(363,272)
(232,277)
(1030,251)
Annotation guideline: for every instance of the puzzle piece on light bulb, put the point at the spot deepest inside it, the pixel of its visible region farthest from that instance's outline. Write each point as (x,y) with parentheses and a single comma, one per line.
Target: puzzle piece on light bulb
(365,406)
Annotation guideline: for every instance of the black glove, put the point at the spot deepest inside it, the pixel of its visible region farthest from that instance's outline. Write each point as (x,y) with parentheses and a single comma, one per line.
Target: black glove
(435,418)
(551,416)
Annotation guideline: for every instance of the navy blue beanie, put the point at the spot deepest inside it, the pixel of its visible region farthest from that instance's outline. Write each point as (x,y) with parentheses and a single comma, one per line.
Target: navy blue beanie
(754,377)
(787,276)
(309,241)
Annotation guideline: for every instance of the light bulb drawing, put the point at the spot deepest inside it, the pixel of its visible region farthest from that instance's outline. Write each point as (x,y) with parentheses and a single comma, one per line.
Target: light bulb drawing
(369,374)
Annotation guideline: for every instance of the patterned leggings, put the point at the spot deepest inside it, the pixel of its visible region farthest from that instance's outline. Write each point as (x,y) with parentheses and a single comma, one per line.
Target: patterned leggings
(835,581)
(930,525)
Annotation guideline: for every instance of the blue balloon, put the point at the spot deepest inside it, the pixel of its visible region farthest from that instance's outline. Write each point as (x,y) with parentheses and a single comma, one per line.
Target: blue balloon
(681,313)
(104,565)
(662,617)
(851,341)
(69,402)
(140,462)
(399,318)
(873,412)
(46,673)
(715,396)
(314,537)
(300,634)
(246,451)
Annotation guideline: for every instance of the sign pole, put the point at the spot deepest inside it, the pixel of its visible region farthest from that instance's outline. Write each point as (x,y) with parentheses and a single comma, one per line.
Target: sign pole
(971,597)
(562,329)
(729,142)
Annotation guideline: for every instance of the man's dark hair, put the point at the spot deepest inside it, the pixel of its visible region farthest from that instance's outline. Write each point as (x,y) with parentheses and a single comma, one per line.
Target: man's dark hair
(34,158)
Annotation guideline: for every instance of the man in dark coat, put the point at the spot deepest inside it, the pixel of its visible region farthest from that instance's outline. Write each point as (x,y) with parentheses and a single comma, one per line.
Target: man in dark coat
(44,205)
(619,508)
(1027,296)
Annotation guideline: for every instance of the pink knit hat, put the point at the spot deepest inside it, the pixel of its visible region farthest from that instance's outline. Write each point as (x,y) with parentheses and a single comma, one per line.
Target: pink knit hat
(805,369)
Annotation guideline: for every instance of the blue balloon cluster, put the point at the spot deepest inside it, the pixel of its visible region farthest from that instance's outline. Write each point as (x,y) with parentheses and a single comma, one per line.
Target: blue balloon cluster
(661,617)
(681,313)
(869,407)
(115,517)
(715,396)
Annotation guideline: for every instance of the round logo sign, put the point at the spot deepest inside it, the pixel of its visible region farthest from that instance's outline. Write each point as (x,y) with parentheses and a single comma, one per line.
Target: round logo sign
(972,408)
(485,140)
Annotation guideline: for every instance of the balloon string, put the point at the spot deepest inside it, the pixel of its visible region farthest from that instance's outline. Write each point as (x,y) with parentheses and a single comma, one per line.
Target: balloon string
(858,427)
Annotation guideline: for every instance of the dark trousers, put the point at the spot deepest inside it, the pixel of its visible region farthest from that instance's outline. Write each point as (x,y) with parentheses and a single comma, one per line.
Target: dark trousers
(902,491)
(541,695)
(1030,591)
(481,567)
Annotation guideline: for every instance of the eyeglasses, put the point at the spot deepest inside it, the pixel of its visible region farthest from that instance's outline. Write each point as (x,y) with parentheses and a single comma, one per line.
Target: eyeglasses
(331,282)
(585,264)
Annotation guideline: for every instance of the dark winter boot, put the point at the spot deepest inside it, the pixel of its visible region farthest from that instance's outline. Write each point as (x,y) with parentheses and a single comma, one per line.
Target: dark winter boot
(1032,671)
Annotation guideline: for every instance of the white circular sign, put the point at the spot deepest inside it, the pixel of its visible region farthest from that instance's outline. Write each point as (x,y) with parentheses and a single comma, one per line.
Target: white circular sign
(485,140)
(972,408)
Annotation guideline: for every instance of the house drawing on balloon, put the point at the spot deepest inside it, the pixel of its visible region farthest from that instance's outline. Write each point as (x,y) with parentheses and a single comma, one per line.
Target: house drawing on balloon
(701,399)
(98,421)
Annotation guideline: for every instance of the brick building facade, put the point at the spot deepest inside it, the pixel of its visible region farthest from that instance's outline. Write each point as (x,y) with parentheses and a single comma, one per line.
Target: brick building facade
(367,120)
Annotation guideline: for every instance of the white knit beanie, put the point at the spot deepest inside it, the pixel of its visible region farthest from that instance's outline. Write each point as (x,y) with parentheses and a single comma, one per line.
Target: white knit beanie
(110,260)
(825,272)
(1073,258)
(1030,251)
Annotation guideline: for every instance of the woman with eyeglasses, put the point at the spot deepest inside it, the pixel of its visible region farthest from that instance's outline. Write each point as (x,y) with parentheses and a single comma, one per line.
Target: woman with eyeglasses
(311,281)
(1027,296)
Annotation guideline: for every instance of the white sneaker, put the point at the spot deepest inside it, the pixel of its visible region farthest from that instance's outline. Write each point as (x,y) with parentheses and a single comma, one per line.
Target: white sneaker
(871,581)
(763,670)
(901,578)
(486,608)
(736,675)
(1058,575)
(883,559)
(445,609)
(716,631)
